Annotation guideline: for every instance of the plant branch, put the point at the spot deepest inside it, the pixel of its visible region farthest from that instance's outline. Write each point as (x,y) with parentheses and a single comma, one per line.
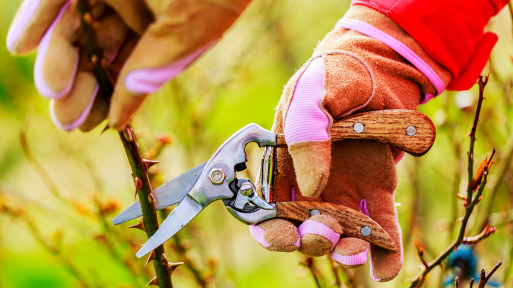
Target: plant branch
(482,83)
(484,278)
(139,168)
(144,193)
(478,182)
(40,170)
(310,264)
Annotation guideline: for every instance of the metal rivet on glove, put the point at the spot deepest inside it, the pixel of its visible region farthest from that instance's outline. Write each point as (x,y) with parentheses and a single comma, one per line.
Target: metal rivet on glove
(314,212)
(411,130)
(365,231)
(358,128)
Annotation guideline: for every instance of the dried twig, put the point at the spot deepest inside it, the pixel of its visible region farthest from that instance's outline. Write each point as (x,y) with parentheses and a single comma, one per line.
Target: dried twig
(335,269)
(484,278)
(310,264)
(474,183)
(52,248)
(40,170)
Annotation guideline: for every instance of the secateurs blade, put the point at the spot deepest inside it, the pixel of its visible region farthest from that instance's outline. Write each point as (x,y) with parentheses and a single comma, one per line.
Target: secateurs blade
(216,179)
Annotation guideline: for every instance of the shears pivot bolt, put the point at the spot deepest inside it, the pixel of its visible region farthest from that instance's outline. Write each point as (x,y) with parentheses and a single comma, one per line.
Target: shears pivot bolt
(217,176)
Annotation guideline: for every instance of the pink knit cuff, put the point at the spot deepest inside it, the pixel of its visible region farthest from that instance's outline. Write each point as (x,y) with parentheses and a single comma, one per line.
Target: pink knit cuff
(314,227)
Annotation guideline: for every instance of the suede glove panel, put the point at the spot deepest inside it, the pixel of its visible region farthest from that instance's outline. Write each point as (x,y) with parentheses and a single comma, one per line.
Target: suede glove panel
(145,43)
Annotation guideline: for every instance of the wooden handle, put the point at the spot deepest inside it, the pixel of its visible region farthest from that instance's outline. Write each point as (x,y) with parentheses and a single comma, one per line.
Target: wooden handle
(410,131)
(354,223)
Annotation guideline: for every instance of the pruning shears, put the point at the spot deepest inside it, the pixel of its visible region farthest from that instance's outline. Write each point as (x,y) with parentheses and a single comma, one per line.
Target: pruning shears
(217,179)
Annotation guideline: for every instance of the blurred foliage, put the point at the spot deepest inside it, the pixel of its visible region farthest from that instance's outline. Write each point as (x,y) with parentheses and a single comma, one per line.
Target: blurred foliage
(55,231)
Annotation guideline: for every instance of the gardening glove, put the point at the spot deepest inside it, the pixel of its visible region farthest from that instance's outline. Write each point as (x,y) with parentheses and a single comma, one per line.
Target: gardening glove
(348,73)
(145,43)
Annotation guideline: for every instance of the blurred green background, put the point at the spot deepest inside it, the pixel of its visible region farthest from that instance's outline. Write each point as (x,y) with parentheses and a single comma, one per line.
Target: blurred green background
(59,193)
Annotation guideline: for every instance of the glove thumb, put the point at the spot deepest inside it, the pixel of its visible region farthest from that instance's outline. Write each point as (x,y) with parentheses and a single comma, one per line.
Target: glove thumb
(306,128)
(312,165)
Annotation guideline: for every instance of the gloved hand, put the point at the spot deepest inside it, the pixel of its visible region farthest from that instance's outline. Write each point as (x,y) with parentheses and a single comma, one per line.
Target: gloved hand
(145,43)
(348,73)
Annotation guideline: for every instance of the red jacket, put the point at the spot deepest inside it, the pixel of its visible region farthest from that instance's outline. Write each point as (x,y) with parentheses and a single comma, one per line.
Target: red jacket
(451,31)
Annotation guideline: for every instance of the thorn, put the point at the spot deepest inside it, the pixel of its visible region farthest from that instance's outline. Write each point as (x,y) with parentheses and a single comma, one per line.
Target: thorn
(88,18)
(138,185)
(94,59)
(105,129)
(463,198)
(172,266)
(152,257)
(128,134)
(153,281)
(139,225)
(151,198)
(104,63)
(163,258)
(150,163)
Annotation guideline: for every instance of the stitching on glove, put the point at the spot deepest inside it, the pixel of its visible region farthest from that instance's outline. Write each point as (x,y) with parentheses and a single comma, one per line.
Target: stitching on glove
(370,74)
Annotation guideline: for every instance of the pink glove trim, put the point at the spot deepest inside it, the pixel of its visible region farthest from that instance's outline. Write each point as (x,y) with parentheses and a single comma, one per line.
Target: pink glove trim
(39,79)
(144,81)
(79,120)
(314,227)
(292,194)
(298,242)
(21,23)
(399,47)
(350,260)
(305,119)
(374,278)
(258,234)
(363,207)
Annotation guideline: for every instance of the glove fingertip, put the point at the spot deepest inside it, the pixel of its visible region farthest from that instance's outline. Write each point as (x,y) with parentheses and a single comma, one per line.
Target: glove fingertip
(15,42)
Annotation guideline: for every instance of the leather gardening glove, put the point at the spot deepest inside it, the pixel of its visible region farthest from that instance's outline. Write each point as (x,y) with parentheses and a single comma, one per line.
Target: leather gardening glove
(145,43)
(348,73)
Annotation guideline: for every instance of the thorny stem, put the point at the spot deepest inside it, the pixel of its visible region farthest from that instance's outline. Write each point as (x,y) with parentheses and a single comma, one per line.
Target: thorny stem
(335,268)
(471,202)
(484,278)
(182,250)
(482,83)
(50,184)
(151,225)
(53,249)
(461,236)
(132,150)
(310,264)
(105,224)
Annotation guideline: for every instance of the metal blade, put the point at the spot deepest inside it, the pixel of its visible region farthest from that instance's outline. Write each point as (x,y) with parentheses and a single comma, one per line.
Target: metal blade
(166,195)
(181,215)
